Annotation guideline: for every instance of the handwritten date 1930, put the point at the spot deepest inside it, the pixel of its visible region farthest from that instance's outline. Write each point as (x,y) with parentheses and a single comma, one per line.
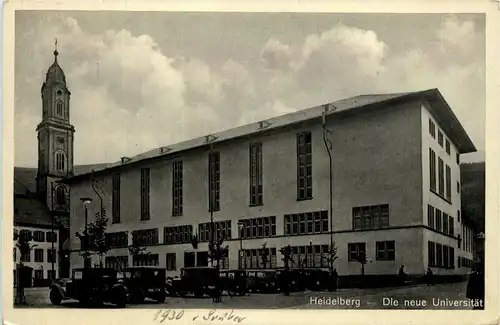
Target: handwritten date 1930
(173,315)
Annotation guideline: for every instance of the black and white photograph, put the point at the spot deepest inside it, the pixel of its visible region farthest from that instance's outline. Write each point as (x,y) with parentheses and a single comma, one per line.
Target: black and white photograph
(230,161)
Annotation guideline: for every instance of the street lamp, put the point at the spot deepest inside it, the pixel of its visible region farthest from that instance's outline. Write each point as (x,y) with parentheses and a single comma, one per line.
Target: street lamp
(86,201)
(240,227)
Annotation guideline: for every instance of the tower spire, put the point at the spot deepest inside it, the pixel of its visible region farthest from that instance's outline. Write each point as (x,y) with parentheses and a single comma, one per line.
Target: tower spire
(56,53)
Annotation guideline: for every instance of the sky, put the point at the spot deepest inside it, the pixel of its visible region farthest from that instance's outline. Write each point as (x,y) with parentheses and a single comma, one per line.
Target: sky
(142,80)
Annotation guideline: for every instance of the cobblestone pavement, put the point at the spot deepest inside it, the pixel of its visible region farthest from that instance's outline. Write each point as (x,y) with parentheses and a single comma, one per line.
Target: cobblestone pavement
(342,299)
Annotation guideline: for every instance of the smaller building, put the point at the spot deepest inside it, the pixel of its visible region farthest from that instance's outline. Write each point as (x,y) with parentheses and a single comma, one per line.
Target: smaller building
(33,220)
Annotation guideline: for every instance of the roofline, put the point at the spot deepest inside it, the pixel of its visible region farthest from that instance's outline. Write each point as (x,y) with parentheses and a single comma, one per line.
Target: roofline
(467,147)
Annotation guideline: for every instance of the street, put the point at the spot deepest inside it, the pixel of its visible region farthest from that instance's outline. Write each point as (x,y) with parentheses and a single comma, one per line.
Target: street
(414,296)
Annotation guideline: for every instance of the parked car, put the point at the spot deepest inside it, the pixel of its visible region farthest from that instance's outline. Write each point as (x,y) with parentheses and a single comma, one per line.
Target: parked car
(315,279)
(295,279)
(92,285)
(263,281)
(198,281)
(234,282)
(144,282)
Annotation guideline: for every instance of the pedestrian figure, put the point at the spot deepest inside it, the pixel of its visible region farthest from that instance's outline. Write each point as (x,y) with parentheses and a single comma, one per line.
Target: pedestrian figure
(402,274)
(475,286)
(430,277)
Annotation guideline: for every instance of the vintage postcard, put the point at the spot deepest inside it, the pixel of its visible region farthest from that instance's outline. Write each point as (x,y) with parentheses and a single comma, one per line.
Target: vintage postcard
(247,164)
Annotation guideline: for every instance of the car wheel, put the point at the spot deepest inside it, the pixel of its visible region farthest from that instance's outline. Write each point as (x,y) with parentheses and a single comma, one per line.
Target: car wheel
(161,298)
(55,297)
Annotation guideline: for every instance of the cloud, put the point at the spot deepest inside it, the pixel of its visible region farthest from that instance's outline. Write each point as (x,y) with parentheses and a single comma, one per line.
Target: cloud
(128,96)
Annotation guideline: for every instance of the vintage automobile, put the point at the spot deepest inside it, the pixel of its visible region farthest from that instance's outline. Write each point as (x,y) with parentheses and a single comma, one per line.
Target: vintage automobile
(315,279)
(263,281)
(198,281)
(144,282)
(234,282)
(91,285)
(294,279)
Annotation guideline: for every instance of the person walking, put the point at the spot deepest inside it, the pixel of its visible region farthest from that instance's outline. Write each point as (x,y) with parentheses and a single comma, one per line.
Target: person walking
(430,277)
(475,286)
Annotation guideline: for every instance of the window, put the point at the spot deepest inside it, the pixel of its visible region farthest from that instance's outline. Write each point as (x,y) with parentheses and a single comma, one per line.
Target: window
(440,138)
(432,169)
(51,237)
(214,181)
(26,256)
(116,262)
(432,129)
(61,196)
(445,223)
(117,239)
(171,264)
(38,274)
(177,182)
(451,263)
(430,216)
(222,229)
(458,187)
(60,161)
(59,108)
(15,254)
(38,255)
(189,259)
(256,174)
(459,240)
(451,226)
(252,258)
(357,251)
(51,255)
(145,237)
(177,234)
(439,255)
(38,236)
(385,250)
(258,227)
(441,176)
(431,253)
(439,223)
(28,235)
(448,150)
(304,166)
(458,215)
(446,256)
(371,217)
(458,158)
(145,173)
(51,274)
(448,183)
(201,258)
(146,260)
(116,197)
(306,223)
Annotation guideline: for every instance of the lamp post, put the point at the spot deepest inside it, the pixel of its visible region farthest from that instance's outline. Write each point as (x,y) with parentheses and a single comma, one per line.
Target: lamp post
(86,201)
(240,227)
(328,147)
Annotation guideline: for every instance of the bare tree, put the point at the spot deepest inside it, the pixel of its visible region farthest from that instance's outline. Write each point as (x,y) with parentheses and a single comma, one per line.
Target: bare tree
(94,238)
(286,251)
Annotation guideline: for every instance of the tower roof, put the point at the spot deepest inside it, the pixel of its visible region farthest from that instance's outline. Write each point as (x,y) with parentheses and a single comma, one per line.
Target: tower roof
(55,75)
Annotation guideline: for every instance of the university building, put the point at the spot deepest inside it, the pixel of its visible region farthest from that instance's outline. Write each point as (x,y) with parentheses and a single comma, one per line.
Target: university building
(388,186)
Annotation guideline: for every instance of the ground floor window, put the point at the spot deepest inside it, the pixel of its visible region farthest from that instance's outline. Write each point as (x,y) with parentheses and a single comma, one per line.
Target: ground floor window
(116,262)
(171,263)
(386,250)
(357,251)
(146,260)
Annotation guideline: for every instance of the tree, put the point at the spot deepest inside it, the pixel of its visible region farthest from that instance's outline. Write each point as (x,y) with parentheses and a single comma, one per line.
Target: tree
(361,258)
(23,243)
(94,239)
(264,254)
(286,251)
(194,241)
(216,252)
(136,250)
(331,257)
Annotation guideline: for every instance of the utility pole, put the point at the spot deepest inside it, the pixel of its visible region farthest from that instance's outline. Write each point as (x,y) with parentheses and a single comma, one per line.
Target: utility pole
(328,146)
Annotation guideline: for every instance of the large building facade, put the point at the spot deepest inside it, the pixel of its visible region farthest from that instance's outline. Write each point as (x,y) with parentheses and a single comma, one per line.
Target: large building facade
(394,195)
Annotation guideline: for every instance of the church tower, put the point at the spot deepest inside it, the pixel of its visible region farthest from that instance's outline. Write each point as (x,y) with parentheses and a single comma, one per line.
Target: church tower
(55,139)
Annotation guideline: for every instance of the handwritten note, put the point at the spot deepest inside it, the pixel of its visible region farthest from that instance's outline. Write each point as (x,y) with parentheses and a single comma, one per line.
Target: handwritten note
(213,315)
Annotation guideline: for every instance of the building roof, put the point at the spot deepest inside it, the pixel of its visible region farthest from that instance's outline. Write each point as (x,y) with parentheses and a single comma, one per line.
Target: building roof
(438,107)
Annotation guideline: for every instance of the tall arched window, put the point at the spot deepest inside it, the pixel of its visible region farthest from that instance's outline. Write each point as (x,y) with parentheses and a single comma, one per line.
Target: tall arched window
(61,195)
(59,108)
(60,161)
